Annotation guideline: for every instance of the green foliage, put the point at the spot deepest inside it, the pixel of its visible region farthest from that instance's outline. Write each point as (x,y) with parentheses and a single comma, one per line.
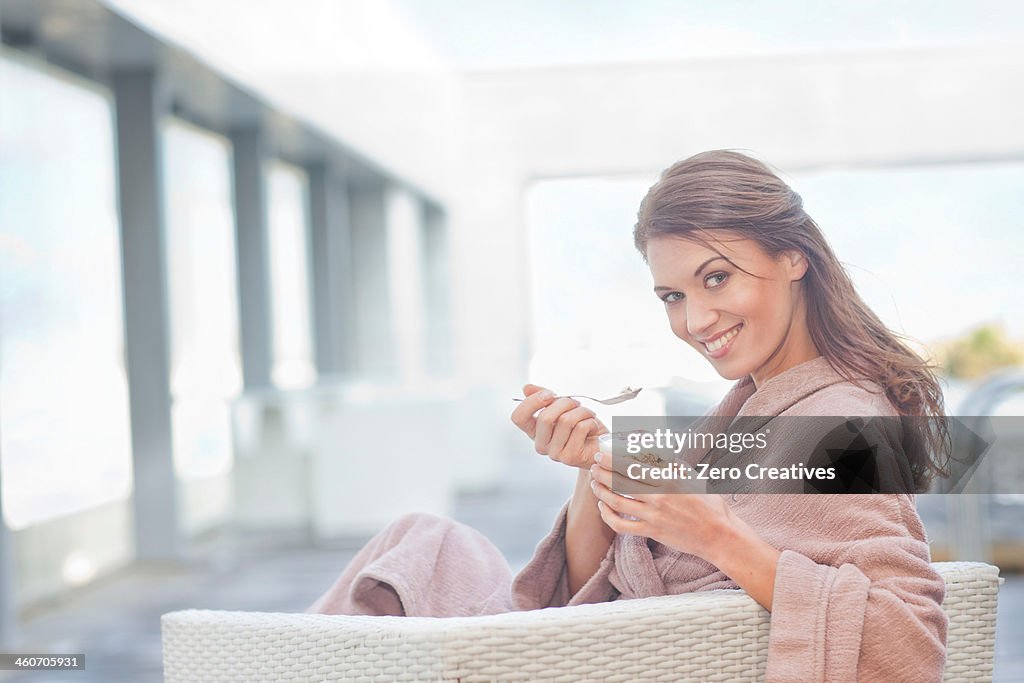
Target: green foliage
(978,353)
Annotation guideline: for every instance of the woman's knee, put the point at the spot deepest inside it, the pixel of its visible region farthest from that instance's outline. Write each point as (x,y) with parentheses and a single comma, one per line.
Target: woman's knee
(421,520)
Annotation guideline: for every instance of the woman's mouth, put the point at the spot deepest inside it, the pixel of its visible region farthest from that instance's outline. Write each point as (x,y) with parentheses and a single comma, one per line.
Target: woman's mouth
(721,345)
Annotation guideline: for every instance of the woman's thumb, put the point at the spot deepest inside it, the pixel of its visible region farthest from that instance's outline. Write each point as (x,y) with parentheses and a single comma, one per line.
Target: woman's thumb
(530,389)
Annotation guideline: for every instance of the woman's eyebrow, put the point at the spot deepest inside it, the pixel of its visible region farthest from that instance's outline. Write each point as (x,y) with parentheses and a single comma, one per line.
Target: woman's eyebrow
(661,288)
(713,258)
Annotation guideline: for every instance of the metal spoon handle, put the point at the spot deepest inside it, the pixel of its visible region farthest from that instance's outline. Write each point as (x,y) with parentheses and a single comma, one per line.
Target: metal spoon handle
(566,396)
(605,401)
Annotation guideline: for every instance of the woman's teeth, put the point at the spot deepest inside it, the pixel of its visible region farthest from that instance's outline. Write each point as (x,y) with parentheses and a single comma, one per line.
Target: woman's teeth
(722,341)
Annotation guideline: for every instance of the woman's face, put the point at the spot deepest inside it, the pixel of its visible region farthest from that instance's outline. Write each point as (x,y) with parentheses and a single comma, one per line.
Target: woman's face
(743,325)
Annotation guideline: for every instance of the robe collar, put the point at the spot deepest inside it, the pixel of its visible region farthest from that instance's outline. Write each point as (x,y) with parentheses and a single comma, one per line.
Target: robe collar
(779,393)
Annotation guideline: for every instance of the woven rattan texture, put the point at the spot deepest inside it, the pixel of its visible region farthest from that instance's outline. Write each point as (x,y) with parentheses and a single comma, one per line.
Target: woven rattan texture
(971,592)
(711,636)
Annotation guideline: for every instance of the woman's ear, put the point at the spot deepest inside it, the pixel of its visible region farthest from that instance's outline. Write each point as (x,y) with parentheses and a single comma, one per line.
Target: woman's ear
(796,264)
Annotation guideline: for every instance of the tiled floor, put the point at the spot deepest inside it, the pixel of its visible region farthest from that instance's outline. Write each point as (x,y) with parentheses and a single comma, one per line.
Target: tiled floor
(116,621)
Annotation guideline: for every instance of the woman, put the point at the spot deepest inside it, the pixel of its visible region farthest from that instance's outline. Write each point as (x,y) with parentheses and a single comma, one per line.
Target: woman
(748,280)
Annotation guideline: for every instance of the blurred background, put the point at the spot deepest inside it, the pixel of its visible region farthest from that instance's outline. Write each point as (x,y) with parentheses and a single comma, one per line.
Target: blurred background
(271,272)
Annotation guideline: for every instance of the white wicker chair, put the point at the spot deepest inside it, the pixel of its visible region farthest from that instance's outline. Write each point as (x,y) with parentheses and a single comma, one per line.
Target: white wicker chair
(710,636)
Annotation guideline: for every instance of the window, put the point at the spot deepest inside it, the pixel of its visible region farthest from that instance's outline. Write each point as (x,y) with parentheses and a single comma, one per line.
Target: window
(64,424)
(205,362)
(288,225)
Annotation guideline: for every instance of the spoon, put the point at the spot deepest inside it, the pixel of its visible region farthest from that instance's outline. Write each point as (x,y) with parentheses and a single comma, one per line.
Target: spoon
(627,394)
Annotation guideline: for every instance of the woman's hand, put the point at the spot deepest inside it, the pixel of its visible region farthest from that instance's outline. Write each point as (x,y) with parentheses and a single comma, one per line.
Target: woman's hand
(561,428)
(698,524)
(691,523)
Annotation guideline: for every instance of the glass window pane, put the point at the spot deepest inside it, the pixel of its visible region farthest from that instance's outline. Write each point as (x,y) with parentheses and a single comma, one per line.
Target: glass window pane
(205,362)
(288,225)
(64,425)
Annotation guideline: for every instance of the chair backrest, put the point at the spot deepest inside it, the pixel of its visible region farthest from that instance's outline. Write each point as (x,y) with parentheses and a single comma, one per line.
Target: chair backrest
(714,635)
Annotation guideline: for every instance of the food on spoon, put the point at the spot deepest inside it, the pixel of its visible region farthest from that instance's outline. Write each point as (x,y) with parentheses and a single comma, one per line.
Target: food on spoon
(649,459)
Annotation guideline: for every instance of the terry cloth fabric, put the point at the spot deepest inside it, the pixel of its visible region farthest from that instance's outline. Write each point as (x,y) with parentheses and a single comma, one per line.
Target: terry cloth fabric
(855,597)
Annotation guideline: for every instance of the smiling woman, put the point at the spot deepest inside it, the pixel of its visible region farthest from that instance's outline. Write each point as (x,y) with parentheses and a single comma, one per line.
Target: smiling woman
(741,300)
(748,280)
(767,292)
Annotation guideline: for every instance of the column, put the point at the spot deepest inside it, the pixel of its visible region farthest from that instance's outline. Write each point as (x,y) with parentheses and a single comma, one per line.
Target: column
(437,288)
(250,196)
(140,105)
(372,351)
(330,244)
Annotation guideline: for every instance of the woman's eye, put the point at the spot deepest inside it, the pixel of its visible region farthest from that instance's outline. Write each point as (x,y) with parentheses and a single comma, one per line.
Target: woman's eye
(717,278)
(672,297)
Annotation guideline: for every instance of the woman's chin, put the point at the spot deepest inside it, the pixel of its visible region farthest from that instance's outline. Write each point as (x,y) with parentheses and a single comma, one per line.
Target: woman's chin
(732,376)
(730,371)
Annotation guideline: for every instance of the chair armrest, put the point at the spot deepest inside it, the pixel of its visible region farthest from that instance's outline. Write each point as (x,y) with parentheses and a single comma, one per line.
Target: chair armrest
(972,590)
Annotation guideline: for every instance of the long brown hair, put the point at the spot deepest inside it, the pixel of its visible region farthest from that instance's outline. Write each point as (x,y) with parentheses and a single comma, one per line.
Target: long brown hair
(726,190)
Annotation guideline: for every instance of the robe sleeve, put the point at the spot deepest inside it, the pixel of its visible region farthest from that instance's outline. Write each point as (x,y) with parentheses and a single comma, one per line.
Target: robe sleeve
(544,581)
(875,617)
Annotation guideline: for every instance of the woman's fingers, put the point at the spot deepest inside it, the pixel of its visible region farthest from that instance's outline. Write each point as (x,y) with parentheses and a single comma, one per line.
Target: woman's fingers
(639,489)
(642,488)
(617,502)
(548,420)
(565,426)
(579,441)
(559,427)
(602,475)
(535,398)
(620,525)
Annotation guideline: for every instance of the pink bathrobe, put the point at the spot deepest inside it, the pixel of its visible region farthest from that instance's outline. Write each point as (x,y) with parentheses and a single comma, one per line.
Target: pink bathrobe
(855,598)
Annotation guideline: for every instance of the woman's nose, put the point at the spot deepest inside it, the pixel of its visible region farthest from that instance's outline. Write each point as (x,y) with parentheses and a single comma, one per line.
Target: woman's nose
(700,319)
